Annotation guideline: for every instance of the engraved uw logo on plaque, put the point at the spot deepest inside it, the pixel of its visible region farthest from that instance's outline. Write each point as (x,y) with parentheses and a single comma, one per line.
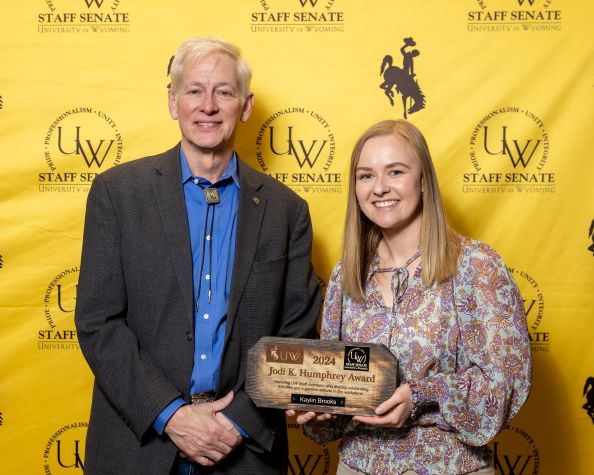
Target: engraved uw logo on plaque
(284,353)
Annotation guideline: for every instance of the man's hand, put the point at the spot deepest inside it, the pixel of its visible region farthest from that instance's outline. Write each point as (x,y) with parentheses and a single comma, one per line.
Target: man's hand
(201,434)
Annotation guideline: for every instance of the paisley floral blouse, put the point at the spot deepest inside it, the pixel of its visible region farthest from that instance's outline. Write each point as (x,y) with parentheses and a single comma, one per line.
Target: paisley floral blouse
(463,348)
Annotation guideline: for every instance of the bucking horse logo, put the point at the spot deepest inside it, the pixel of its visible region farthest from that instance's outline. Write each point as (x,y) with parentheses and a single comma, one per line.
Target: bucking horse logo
(589,395)
(403,79)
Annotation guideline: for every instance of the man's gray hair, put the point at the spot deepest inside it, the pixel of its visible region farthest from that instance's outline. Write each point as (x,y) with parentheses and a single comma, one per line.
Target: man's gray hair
(198,48)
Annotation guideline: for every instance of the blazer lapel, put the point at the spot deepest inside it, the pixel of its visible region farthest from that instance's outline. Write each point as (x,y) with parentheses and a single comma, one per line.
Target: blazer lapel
(249,223)
(168,190)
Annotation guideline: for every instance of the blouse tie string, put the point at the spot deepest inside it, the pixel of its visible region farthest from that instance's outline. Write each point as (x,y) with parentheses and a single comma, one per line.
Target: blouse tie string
(400,277)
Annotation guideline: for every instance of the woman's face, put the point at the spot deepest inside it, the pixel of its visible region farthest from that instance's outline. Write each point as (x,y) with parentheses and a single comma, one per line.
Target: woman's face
(388,183)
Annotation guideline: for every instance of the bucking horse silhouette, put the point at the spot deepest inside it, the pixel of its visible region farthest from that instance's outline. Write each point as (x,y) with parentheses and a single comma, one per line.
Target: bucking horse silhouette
(589,394)
(403,79)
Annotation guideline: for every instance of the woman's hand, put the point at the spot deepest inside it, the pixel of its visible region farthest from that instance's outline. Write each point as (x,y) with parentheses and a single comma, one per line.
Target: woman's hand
(393,412)
(304,417)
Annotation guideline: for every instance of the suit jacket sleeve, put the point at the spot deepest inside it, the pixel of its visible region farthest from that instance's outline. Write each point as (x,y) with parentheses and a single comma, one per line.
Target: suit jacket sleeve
(124,372)
(296,317)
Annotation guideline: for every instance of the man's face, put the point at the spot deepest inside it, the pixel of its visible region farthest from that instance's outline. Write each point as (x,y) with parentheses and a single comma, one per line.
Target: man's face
(208,105)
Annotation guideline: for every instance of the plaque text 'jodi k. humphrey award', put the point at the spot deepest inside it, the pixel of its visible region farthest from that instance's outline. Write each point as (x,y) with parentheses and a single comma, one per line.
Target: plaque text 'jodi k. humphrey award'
(336,377)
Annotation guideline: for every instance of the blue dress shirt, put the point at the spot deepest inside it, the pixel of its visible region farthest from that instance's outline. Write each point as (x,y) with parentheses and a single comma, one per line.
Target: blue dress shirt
(212,237)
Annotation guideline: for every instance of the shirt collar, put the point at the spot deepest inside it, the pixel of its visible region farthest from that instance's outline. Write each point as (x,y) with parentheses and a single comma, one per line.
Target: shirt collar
(231,172)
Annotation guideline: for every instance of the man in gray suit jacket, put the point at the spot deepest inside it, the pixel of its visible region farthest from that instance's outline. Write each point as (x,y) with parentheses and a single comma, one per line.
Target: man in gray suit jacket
(189,257)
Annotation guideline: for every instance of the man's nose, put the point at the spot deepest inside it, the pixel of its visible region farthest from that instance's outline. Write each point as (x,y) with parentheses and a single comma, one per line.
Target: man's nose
(209,104)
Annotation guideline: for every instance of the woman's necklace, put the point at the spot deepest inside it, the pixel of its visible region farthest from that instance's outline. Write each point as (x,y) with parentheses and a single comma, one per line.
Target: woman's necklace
(400,277)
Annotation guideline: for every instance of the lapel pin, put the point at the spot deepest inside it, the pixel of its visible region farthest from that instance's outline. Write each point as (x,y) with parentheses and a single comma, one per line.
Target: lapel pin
(256,200)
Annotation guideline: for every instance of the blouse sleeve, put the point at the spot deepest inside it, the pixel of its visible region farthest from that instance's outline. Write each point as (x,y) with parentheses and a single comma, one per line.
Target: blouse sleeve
(324,432)
(493,349)
(332,314)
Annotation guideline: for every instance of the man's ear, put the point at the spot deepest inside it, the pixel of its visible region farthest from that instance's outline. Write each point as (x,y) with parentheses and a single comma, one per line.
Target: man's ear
(172,105)
(246,110)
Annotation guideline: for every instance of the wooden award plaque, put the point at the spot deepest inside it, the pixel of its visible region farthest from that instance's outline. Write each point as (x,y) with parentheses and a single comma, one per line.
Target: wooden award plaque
(336,377)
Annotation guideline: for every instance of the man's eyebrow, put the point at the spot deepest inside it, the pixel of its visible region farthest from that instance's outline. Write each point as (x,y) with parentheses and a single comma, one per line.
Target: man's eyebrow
(216,84)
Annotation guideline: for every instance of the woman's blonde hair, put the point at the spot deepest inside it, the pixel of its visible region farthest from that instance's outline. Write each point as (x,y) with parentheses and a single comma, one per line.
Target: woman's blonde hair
(439,244)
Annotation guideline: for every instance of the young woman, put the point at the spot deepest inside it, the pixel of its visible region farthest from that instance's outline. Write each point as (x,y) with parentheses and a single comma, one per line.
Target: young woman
(445,305)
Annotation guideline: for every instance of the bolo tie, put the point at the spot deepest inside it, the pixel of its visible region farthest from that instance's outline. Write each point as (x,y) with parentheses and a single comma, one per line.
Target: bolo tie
(212,197)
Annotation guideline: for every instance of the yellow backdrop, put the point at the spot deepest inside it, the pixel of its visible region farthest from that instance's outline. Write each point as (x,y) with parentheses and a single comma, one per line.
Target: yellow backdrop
(503,90)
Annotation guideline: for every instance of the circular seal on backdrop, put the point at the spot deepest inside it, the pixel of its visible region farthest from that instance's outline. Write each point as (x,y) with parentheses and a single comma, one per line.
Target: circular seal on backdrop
(509,151)
(296,146)
(59,302)
(305,456)
(78,144)
(510,16)
(64,452)
(509,138)
(295,138)
(85,5)
(515,452)
(534,306)
(83,17)
(532,295)
(302,16)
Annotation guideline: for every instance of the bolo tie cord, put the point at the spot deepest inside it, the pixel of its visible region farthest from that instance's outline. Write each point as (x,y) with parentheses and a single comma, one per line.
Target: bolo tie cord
(212,198)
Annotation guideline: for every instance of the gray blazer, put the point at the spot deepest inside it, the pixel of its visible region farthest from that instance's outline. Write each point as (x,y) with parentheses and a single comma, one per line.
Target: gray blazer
(134,312)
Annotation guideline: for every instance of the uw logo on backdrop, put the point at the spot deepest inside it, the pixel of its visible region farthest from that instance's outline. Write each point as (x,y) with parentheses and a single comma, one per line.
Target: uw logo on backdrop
(305,456)
(59,303)
(509,149)
(514,15)
(297,16)
(403,79)
(83,16)
(296,146)
(534,307)
(79,144)
(515,453)
(589,395)
(64,452)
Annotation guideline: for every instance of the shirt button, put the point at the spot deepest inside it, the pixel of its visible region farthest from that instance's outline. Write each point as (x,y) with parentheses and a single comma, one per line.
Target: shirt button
(202,356)
(207,277)
(189,336)
(206,315)
(208,237)
(196,181)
